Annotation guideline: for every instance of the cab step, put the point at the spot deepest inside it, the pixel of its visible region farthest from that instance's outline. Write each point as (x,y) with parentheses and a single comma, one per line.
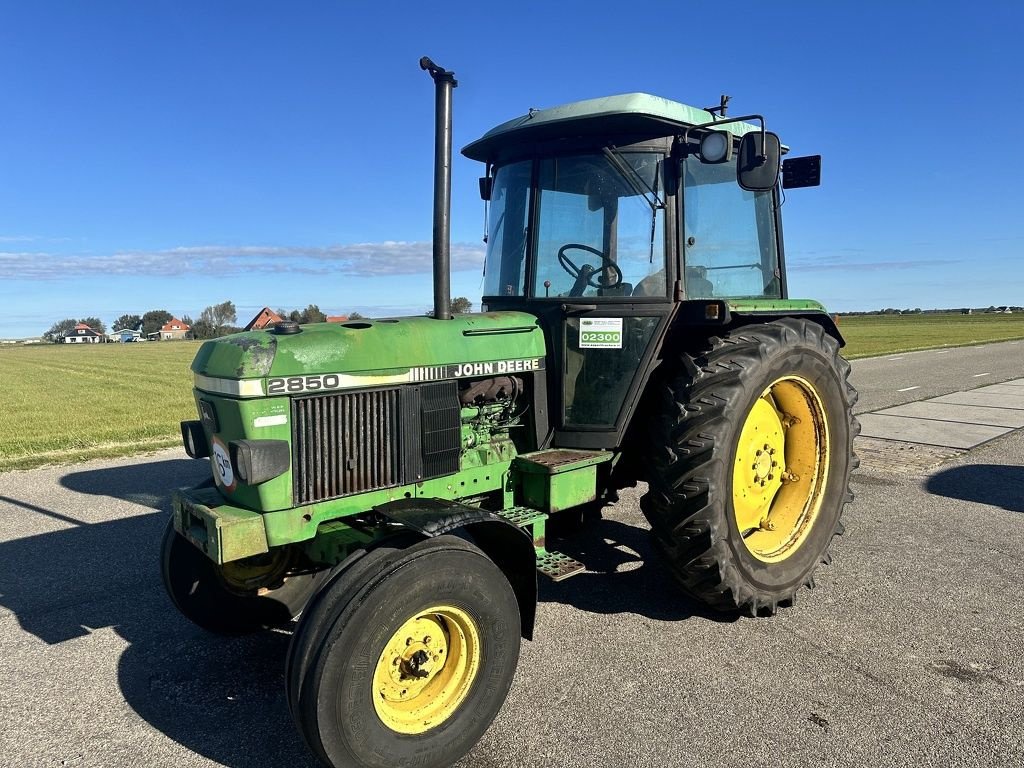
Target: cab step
(554,565)
(557,566)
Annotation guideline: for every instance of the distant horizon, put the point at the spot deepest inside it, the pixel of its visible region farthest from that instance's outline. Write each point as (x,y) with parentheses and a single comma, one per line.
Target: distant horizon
(476,308)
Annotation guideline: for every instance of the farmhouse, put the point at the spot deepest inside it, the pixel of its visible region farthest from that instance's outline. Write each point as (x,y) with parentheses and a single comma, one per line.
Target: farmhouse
(265,318)
(174,329)
(82,334)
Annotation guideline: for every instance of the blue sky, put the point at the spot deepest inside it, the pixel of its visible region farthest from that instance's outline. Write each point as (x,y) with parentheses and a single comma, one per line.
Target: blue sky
(170,155)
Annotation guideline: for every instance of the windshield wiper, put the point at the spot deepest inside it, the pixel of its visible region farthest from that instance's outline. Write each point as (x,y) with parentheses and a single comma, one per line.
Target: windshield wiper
(636,182)
(640,186)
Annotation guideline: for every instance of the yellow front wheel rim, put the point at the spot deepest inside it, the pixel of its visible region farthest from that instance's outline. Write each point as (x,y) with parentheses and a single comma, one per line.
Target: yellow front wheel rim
(781,469)
(426,669)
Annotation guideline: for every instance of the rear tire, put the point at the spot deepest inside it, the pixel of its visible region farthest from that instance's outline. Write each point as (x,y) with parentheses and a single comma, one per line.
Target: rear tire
(235,598)
(405,658)
(744,498)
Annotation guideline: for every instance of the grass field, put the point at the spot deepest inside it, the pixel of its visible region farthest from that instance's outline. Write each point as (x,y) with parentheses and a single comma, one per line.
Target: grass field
(871,335)
(65,403)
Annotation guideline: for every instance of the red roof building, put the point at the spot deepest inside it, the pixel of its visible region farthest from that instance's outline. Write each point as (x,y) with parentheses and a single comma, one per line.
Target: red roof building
(265,318)
(174,329)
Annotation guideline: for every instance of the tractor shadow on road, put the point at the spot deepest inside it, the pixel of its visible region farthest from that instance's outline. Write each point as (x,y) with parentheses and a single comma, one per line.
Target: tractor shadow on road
(625,574)
(997,485)
(221,697)
(148,484)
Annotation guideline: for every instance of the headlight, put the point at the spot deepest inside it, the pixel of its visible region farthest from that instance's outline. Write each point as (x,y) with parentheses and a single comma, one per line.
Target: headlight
(256,461)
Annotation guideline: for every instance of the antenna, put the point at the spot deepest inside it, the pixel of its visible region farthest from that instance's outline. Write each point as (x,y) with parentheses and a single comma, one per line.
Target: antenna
(721,108)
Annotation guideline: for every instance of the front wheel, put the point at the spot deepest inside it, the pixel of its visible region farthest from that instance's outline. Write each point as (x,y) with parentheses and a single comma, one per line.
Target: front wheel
(234,598)
(752,462)
(405,659)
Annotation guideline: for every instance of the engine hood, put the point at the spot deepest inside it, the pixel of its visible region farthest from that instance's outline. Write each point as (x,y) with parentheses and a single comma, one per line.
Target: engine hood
(370,352)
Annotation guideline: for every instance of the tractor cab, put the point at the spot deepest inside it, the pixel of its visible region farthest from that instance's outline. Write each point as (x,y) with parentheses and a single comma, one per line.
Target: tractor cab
(606,219)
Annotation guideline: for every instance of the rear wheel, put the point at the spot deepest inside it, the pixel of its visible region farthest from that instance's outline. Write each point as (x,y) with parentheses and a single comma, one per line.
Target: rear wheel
(406,658)
(754,449)
(234,598)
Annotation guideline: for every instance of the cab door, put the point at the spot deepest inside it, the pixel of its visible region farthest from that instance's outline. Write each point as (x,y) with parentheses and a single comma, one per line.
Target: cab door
(603,273)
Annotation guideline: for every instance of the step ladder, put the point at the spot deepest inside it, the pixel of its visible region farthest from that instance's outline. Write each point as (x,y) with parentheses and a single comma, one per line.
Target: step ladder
(555,565)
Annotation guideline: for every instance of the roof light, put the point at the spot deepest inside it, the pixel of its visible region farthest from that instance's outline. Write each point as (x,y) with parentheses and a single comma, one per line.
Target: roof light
(716,147)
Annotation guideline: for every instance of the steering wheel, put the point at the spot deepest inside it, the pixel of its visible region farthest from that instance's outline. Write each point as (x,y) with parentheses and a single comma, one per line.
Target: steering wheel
(608,275)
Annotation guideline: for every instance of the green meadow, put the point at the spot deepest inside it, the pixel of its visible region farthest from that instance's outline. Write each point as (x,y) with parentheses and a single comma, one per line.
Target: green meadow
(873,335)
(66,403)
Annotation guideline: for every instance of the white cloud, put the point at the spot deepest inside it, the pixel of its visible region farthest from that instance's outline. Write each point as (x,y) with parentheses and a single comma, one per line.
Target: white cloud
(354,260)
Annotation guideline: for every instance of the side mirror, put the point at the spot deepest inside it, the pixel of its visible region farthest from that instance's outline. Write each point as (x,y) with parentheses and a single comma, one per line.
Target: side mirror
(486,187)
(758,167)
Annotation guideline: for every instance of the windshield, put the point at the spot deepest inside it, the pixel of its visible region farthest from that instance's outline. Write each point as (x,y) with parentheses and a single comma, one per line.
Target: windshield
(600,227)
(600,232)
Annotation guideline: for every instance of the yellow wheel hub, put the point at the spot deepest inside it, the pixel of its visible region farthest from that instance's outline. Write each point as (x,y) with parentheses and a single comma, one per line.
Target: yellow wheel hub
(781,469)
(255,573)
(426,670)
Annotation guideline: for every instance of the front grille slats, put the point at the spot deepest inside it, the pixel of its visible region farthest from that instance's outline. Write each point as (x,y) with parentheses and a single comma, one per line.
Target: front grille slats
(345,443)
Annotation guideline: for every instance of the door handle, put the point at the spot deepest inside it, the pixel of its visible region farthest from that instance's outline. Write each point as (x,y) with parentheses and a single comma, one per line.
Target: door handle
(578,309)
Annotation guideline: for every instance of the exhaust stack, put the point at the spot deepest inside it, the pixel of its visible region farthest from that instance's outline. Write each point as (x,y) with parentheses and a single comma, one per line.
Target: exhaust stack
(444,82)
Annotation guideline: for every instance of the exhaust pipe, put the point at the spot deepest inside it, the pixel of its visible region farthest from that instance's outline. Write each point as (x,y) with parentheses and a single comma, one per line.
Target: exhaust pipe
(444,81)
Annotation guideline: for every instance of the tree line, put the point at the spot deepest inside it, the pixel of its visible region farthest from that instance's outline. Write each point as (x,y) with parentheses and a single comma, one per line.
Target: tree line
(214,321)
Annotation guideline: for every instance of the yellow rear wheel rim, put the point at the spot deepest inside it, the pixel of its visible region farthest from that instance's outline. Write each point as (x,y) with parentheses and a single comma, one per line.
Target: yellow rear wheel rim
(781,469)
(426,670)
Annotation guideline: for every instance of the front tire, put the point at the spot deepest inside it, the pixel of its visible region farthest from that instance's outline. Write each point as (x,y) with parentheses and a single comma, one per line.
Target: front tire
(752,462)
(405,659)
(235,598)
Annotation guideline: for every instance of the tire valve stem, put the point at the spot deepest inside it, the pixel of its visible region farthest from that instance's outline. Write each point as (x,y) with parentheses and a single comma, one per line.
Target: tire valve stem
(767,525)
(789,421)
(789,477)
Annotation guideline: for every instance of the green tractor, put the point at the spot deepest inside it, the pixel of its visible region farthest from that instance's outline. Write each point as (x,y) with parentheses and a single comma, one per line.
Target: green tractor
(388,481)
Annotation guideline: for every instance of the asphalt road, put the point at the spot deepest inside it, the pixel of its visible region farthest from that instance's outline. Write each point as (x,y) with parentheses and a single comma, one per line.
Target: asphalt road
(911,376)
(908,652)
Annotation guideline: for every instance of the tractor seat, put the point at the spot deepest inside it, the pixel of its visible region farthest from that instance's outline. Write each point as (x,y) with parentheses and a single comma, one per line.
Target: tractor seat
(622,289)
(652,285)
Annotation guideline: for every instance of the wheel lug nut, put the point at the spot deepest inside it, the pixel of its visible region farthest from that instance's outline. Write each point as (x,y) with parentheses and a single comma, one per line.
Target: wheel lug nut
(426,640)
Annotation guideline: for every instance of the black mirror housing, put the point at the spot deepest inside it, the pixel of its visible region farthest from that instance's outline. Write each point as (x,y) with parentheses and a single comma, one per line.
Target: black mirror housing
(486,185)
(758,167)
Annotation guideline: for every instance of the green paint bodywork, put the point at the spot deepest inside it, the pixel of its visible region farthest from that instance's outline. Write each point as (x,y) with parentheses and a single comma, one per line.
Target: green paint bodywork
(225,533)
(773,306)
(372,347)
(568,484)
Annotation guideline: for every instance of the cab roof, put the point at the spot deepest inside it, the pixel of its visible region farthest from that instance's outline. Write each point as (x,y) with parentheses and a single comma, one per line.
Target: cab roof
(639,114)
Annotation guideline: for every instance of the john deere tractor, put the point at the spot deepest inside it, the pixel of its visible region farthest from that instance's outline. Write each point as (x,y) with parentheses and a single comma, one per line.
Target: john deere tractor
(389,481)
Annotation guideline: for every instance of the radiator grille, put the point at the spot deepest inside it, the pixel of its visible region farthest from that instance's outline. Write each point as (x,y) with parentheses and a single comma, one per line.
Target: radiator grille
(344,444)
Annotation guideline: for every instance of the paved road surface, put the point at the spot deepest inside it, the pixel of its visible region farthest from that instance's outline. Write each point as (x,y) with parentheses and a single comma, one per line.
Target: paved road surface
(907,653)
(911,376)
